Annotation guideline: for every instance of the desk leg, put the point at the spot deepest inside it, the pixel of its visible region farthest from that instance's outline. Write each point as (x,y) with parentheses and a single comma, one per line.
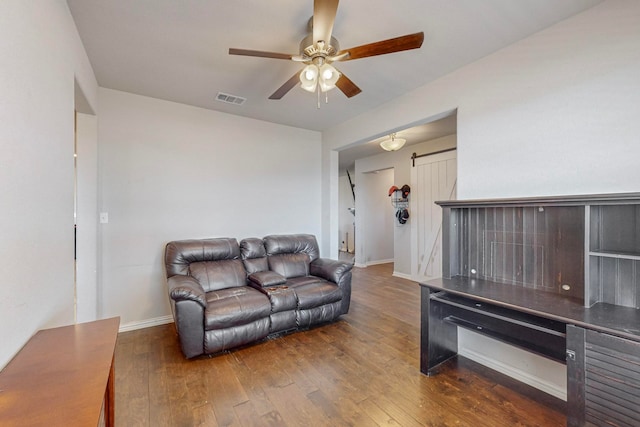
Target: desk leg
(109,397)
(438,339)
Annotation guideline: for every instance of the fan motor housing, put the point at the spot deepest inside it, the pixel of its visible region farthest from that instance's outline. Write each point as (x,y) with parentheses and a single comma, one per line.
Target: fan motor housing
(307,48)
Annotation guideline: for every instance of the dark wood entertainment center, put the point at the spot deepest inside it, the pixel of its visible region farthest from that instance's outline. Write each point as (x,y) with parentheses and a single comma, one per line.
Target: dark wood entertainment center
(558,276)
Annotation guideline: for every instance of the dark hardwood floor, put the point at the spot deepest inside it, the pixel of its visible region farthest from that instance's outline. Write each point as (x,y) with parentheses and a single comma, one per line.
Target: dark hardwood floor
(362,370)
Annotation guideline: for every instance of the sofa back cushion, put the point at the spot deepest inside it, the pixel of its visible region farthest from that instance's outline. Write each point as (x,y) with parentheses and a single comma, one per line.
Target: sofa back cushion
(254,255)
(216,275)
(214,263)
(290,265)
(292,244)
(290,255)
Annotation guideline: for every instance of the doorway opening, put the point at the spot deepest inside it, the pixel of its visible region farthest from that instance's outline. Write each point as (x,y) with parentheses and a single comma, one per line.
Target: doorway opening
(375,241)
(85,206)
(347,217)
(362,160)
(75,216)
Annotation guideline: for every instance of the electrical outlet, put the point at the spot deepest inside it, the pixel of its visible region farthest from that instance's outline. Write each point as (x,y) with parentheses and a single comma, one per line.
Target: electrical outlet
(104,217)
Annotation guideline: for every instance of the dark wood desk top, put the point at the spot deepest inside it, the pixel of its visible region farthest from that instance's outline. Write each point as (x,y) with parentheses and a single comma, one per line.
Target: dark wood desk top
(60,376)
(607,318)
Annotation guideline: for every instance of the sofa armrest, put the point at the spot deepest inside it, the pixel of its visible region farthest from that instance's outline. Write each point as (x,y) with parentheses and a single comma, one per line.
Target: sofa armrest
(183,288)
(266,279)
(329,269)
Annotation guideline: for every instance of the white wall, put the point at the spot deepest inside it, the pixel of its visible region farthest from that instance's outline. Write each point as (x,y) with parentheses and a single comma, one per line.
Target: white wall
(544,374)
(170,171)
(555,113)
(41,56)
(565,119)
(374,217)
(346,218)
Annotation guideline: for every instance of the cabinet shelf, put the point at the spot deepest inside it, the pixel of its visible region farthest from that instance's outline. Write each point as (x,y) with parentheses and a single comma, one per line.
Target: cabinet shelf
(547,326)
(602,317)
(621,255)
(513,336)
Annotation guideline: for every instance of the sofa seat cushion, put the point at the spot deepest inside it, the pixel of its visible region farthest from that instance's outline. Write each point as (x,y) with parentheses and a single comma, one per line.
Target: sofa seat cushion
(282,298)
(313,292)
(234,307)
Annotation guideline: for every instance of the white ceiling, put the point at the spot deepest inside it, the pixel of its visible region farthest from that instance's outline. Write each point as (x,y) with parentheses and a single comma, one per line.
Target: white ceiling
(178,50)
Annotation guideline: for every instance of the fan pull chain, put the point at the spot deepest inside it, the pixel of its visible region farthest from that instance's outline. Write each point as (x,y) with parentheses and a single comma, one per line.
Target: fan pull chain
(326,97)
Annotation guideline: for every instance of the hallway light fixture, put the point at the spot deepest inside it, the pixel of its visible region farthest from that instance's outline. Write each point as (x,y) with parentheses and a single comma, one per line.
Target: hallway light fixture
(393,143)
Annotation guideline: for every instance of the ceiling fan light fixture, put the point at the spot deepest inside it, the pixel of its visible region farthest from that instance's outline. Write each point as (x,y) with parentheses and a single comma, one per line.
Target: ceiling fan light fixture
(393,143)
(319,48)
(328,77)
(311,73)
(309,78)
(324,76)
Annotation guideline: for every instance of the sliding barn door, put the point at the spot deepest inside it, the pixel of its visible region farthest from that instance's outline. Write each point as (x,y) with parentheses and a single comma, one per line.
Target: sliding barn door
(432,178)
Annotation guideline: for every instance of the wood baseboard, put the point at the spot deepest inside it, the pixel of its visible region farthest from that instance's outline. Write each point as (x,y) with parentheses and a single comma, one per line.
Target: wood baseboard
(403,276)
(156,321)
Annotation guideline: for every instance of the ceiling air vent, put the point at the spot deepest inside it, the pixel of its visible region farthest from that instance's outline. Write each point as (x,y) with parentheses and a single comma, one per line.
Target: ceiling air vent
(230,99)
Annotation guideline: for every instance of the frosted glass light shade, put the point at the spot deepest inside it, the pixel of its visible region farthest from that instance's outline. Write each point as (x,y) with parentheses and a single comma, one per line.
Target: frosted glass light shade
(393,144)
(309,78)
(328,77)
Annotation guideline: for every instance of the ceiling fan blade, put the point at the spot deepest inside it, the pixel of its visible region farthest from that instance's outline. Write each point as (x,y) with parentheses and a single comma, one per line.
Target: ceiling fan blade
(347,87)
(398,44)
(324,13)
(282,90)
(259,53)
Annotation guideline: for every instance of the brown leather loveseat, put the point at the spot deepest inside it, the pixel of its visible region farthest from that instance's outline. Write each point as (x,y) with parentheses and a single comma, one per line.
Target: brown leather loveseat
(224,294)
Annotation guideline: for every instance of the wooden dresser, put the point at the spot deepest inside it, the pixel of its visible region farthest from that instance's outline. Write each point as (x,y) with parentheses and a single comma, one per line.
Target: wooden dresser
(62,377)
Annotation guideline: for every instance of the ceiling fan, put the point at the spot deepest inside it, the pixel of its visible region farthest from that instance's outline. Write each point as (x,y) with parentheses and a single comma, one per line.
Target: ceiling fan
(318,50)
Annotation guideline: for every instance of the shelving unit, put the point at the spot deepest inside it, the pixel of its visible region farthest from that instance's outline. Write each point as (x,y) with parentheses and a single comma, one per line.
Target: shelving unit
(399,202)
(614,254)
(550,275)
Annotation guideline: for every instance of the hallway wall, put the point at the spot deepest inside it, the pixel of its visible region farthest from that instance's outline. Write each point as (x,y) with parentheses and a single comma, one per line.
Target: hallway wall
(374,218)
